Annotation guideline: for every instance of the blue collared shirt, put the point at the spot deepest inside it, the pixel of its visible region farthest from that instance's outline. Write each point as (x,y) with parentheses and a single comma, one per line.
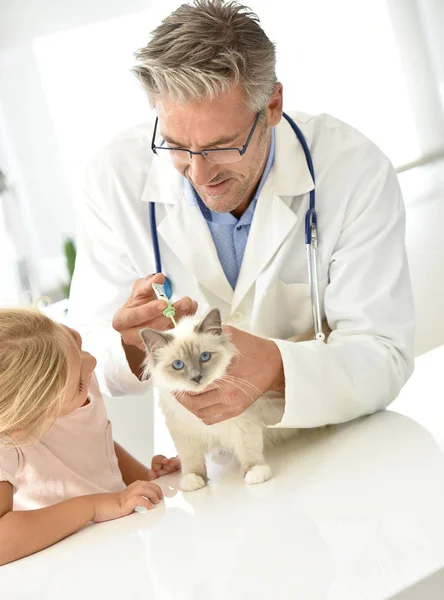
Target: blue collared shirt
(229,234)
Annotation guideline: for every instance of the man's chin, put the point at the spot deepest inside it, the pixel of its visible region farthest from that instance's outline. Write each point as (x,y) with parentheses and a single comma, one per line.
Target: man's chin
(219,204)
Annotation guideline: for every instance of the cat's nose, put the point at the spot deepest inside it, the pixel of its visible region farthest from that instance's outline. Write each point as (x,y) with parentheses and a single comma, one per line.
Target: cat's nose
(197,378)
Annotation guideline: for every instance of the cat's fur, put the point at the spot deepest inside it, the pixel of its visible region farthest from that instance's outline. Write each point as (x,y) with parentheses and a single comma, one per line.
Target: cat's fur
(246,434)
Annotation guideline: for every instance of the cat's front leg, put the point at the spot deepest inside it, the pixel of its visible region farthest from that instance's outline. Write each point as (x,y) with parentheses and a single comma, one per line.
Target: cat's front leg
(249,449)
(191,451)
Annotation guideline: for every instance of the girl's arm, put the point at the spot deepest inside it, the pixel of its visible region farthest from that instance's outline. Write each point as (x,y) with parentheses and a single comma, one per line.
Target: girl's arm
(130,467)
(28,531)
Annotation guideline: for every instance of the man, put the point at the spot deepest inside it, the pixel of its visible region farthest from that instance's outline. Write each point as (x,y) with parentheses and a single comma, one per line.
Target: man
(230,225)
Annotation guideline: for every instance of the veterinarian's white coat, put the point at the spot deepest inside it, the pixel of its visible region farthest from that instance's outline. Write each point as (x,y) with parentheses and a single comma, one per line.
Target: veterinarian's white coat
(364,279)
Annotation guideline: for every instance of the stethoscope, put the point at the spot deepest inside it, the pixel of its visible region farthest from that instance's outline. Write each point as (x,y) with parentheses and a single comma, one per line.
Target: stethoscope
(311,241)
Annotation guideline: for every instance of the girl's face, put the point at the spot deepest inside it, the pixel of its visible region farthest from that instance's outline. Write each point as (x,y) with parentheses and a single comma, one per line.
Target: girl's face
(80,369)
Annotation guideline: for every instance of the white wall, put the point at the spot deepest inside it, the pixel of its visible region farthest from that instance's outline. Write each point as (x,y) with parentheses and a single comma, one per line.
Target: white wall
(18,234)
(419,29)
(35,146)
(432,18)
(23,20)
(49,178)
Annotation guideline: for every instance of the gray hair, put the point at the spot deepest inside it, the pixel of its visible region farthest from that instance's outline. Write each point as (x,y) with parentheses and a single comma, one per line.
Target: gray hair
(204,49)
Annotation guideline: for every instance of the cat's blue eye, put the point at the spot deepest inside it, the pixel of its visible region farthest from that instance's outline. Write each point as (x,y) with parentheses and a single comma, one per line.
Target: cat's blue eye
(178,365)
(205,356)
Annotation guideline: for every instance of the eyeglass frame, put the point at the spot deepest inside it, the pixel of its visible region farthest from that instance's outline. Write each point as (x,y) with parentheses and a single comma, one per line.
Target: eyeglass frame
(242,151)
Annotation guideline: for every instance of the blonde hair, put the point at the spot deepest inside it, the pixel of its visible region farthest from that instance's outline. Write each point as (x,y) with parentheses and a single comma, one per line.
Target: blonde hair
(204,49)
(33,375)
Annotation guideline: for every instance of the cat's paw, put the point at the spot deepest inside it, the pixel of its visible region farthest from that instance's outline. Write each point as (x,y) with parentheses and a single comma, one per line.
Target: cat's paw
(192,482)
(258,474)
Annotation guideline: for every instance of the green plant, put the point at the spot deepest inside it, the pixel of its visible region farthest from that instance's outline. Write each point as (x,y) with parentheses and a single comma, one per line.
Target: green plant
(69,249)
(3,182)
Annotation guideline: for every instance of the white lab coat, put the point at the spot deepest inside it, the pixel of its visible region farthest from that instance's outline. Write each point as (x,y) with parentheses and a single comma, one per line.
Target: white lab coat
(363,273)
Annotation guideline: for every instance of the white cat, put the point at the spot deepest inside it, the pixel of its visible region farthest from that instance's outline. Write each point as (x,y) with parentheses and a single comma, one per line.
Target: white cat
(193,356)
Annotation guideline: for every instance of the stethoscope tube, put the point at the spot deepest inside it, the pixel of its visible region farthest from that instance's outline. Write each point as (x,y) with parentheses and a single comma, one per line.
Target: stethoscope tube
(167,285)
(155,237)
(311,238)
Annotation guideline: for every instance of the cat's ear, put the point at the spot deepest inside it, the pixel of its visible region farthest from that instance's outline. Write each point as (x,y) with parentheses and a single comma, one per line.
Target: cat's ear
(212,323)
(153,339)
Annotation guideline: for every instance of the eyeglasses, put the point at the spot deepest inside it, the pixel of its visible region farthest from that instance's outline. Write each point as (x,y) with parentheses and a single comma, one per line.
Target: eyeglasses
(218,155)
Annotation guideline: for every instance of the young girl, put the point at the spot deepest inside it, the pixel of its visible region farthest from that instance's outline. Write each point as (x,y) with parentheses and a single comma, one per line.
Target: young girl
(59,467)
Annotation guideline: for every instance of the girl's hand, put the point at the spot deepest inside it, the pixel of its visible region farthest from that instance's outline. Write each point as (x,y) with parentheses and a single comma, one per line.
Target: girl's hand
(160,465)
(120,504)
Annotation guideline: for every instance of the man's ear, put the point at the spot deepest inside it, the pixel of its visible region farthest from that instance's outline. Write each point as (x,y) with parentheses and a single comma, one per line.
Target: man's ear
(273,109)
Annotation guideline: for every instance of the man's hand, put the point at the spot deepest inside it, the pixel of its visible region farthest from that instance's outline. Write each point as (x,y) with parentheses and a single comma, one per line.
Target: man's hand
(160,465)
(142,309)
(257,370)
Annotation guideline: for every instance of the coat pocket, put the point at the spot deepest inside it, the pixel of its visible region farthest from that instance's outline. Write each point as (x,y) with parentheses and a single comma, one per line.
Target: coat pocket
(287,309)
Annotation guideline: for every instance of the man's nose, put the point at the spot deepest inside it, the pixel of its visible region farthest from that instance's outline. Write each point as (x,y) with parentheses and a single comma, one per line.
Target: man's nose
(201,171)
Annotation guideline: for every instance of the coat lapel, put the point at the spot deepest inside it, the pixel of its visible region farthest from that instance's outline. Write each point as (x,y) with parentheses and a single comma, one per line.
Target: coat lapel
(187,234)
(273,218)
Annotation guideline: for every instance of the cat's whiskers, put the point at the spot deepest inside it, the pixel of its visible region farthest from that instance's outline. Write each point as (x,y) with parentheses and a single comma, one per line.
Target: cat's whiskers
(181,396)
(250,385)
(253,400)
(222,391)
(232,379)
